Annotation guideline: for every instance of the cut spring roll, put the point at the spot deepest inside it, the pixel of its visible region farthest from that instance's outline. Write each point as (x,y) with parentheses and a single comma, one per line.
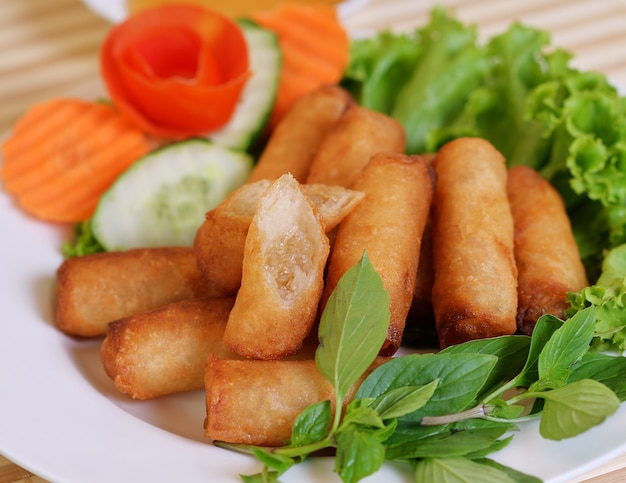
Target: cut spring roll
(356,137)
(475,287)
(220,240)
(164,351)
(547,256)
(93,290)
(256,402)
(282,275)
(389,224)
(295,140)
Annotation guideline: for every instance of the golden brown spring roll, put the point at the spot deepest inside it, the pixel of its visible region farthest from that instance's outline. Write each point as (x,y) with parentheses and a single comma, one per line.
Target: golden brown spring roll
(420,327)
(358,135)
(164,351)
(295,140)
(220,240)
(475,288)
(389,224)
(93,290)
(256,402)
(547,256)
(282,276)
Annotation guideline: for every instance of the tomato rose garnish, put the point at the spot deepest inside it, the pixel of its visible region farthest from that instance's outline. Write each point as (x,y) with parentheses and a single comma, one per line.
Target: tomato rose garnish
(176,71)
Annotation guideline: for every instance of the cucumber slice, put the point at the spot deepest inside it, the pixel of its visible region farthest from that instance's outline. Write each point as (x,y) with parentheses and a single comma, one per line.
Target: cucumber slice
(259,94)
(162,199)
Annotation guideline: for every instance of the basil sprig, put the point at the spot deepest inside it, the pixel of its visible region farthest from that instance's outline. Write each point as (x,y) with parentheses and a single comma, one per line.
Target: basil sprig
(443,413)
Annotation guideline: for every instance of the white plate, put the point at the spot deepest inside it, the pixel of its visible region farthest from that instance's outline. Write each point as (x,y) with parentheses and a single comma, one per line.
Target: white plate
(62,418)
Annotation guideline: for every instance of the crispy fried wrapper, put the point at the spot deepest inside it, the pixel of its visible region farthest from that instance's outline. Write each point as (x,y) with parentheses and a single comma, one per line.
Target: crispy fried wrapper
(296,139)
(220,240)
(93,290)
(475,287)
(282,275)
(163,351)
(546,253)
(356,137)
(256,402)
(389,224)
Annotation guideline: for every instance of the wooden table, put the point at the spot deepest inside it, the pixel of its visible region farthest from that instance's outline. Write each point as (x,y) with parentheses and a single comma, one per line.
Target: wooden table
(50,48)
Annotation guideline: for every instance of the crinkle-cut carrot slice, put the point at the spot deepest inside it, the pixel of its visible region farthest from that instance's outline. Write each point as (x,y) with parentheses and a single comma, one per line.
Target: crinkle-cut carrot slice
(64,153)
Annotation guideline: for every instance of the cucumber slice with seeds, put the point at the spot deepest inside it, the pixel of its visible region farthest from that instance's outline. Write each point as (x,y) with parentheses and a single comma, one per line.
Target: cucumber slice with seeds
(259,94)
(162,199)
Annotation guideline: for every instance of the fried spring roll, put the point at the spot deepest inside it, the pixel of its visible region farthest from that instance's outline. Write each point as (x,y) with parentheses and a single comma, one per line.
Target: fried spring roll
(220,240)
(256,402)
(475,287)
(358,135)
(547,256)
(420,324)
(295,140)
(282,275)
(164,351)
(93,290)
(389,224)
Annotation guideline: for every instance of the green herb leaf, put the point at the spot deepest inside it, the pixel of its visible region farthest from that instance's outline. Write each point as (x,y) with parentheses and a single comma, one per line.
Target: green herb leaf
(353,326)
(312,424)
(359,454)
(566,346)
(272,459)
(609,370)
(517,476)
(265,477)
(511,350)
(573,409)
(449,443)
(461,376)
(362,415)
(544,328)
(403,400)
(458,470)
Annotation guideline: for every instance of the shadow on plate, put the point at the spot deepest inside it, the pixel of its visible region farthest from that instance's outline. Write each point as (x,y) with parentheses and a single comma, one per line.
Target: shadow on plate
(181,414)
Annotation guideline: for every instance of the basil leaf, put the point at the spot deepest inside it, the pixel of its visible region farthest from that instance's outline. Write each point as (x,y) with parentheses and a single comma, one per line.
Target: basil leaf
(403,400)
(511,350)
(312,424)
(544,328)
(353,326)
(497,445)
(566,346)
(359,454)
(517,476)
(573,409)
(448,470)
(609,370)
(277,461)
(461,376)
(363,416)
(447,444)
(267,477)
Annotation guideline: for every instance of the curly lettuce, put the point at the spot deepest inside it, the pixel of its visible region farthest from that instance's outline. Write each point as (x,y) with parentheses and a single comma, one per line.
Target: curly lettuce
(522,95)
(608,296)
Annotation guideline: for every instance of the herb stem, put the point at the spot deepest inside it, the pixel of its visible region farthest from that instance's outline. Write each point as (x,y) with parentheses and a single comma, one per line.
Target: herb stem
(479,411)
(297,451)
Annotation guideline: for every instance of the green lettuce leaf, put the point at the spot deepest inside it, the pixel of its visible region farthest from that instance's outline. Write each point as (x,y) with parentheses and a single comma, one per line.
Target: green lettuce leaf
(608,296)
(521,94)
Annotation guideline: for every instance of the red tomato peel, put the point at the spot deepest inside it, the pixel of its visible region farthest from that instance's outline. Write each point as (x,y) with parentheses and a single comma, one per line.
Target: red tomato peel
(176,71)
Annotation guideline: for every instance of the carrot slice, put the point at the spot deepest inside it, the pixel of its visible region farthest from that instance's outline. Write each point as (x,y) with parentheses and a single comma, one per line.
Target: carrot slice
(315,49)
(64,153)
